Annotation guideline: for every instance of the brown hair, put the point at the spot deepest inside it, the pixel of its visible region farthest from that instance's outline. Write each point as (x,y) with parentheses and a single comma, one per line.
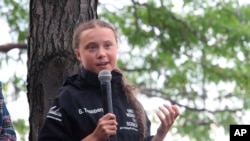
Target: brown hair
(129,89)
(89,25)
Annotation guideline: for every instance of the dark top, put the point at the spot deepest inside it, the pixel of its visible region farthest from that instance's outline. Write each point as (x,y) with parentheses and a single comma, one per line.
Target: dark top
(75,112)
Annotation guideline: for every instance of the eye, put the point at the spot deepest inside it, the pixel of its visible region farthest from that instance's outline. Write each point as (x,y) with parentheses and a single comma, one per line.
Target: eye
(91,47)
(108,45)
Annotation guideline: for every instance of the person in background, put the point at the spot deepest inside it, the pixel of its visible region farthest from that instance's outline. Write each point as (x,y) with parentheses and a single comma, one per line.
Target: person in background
(7,131)
(78,114)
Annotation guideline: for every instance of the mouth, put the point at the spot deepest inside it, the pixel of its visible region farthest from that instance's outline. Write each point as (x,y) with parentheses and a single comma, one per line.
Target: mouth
(103,64)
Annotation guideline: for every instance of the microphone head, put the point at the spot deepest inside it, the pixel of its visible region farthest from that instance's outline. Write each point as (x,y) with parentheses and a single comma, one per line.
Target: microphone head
(104,76)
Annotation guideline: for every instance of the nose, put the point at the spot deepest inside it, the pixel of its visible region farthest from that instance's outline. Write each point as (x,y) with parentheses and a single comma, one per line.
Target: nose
(101,52)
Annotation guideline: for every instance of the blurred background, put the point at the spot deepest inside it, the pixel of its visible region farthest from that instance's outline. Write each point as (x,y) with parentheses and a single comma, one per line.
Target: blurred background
(193,53)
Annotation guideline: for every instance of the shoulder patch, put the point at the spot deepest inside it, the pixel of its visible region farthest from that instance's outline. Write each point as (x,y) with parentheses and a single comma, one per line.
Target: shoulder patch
(54,113)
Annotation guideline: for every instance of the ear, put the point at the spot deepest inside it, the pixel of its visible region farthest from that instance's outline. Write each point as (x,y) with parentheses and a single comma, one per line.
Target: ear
(77,53)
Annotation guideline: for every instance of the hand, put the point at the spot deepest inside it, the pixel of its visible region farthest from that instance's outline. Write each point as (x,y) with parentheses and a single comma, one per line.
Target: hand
(167,115)
(106,126)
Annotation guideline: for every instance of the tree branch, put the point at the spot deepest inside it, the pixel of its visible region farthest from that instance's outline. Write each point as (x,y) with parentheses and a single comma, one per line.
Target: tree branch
(150,93)
(7,47)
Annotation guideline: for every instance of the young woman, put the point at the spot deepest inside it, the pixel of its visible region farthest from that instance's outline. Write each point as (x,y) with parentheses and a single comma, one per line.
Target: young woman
(77,113)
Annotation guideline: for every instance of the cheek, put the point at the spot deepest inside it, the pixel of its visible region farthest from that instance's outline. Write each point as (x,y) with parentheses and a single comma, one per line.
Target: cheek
(87,59)
(114,57)
(84,59)
(80,56)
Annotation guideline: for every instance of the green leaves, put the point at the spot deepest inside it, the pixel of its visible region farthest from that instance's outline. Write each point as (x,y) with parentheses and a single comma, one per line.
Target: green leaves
(197,58)
(21,128)
(16,14)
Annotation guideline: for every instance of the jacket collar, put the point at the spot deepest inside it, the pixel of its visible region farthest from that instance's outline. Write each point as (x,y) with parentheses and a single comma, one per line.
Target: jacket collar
(90,79)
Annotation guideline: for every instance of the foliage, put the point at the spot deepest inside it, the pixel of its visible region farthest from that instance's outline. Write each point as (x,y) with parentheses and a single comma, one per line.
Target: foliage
(21,128)
(15,13)
(196,57)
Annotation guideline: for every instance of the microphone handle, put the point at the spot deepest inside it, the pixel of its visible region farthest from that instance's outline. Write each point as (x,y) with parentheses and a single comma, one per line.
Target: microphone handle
(109,98)
(108,105)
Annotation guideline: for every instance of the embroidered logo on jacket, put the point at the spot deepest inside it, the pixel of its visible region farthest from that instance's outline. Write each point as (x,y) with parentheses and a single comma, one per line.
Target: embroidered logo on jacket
(54,113)
(90,111)
(130,125)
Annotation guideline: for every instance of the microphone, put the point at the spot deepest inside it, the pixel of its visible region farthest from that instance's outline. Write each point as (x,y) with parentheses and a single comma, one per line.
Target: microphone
(105,77)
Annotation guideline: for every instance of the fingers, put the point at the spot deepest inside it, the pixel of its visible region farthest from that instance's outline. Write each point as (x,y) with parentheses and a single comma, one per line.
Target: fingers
(109,116)
(167,114)
(106,126)
(109,123)
(176,110)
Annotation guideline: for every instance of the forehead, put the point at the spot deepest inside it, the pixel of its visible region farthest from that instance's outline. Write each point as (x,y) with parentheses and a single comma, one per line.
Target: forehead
(103,32)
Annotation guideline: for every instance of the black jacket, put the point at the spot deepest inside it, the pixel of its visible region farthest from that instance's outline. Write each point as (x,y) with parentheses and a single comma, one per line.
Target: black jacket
(76,110)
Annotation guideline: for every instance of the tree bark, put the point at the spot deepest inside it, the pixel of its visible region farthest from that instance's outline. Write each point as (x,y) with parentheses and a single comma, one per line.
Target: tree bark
(50,55)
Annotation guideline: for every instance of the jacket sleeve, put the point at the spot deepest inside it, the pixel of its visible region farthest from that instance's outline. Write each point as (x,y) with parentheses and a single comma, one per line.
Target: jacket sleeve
(7,131)
(56,126)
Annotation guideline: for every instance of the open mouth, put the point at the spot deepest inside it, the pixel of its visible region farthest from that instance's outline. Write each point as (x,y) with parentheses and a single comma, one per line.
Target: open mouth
(102,64)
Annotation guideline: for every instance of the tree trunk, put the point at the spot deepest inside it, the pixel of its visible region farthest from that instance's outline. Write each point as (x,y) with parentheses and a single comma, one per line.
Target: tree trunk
(50,55)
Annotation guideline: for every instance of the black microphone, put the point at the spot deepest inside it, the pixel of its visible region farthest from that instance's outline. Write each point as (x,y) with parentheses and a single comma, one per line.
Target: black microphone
(105,77)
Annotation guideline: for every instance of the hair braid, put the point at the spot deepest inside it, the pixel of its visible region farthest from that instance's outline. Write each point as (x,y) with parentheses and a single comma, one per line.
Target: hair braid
(130,92)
